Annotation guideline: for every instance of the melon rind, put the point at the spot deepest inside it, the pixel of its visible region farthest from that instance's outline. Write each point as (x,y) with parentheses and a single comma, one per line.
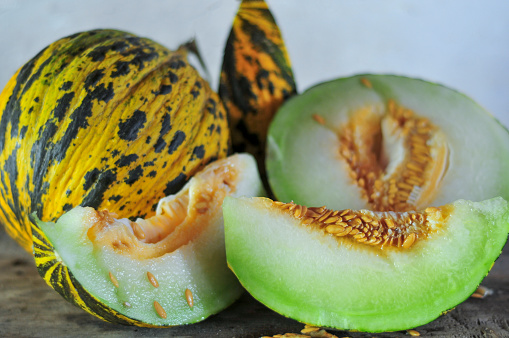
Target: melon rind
(313,278)
(199,266)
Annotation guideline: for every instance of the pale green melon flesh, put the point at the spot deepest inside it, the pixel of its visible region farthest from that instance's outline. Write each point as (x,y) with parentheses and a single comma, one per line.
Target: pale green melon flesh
(316,279)
(199,266)
(303,162)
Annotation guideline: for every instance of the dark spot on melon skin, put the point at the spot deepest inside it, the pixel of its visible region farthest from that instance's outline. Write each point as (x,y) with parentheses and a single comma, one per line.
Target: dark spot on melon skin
(126,160)
(165,89)
(174,186)
(153,173)
(10,171)
(36,99)
(134,175)
(139,192)
(165,129)
(173,77)
(99,52)
(121,69)
(90,178)
(177,140)
(211,128)
(68,192)
(115,198)
(62,106)
(128,129)
(115,152)
(65,86)
(93,78)
(95,196)
(23,132)
(177,64)
(199,151)
(148,164)
(79,120)
(67,207)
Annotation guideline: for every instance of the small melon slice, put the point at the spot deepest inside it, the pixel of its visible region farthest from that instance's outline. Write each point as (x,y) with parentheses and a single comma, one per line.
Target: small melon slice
(166,270)
(362,270)
(385,142)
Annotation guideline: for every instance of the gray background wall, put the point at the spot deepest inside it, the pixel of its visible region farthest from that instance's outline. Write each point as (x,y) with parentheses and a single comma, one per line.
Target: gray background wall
(463,44)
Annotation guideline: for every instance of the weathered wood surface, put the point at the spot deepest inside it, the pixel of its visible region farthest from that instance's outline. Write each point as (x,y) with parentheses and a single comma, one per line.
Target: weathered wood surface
(29,308)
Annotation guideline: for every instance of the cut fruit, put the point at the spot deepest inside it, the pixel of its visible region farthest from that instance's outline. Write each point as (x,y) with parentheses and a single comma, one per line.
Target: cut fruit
(166,270)
(362,270)
(385,142)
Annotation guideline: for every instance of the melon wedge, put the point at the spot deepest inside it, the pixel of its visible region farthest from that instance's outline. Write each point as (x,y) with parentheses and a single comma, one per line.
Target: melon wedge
(166,270)
(370,271)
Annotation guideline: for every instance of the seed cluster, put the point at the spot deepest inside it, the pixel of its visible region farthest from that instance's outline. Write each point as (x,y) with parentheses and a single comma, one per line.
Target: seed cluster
(401,190)
(381,229)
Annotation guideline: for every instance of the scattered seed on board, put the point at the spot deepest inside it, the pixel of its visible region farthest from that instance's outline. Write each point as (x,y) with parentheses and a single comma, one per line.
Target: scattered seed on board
(114,280)
(159,309)
(152,279)
(189,298)
(413,333)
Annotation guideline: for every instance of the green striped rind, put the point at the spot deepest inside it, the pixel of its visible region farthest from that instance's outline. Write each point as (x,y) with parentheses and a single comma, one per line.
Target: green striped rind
(256,76)
(58,276)
(103,119)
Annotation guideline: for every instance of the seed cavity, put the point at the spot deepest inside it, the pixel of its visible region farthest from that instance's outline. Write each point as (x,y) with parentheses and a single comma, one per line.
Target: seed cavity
(382,228)
(189,298)
(152,279)
(395,157)
(113,279)
(160,310)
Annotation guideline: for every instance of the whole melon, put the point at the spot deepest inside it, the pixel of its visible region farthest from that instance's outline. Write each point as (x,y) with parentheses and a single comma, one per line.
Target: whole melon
(103,119)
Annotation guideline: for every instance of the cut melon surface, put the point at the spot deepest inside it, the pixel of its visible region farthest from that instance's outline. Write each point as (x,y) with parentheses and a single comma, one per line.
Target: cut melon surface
(167,270)
(300,266)
(385,142)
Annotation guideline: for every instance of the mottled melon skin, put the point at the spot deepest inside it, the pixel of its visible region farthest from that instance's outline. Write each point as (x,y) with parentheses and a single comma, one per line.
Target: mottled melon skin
(79,270)
(104,119)
(314,278)
(303,162)
(256,77)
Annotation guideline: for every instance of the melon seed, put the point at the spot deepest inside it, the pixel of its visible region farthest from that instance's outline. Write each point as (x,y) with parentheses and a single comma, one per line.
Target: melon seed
(189,298)
(159,309)
(114,280)
(152,279)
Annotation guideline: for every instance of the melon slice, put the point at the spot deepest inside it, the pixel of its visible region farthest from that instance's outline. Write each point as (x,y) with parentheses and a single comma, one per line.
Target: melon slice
(359,269)
(384,142)
(166,270)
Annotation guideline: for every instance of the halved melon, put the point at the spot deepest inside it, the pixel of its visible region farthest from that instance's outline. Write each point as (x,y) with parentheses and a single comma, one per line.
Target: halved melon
(363,270)
(385,142)
(166,270)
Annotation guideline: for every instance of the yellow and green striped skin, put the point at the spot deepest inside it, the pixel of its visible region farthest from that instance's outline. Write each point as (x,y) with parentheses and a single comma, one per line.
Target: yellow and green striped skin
(256,77)
(58,276)
(103,119)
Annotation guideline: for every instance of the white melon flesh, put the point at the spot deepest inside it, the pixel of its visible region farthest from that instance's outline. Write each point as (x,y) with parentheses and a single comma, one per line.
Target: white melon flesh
(305,274)
(195,260)
(304,142)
